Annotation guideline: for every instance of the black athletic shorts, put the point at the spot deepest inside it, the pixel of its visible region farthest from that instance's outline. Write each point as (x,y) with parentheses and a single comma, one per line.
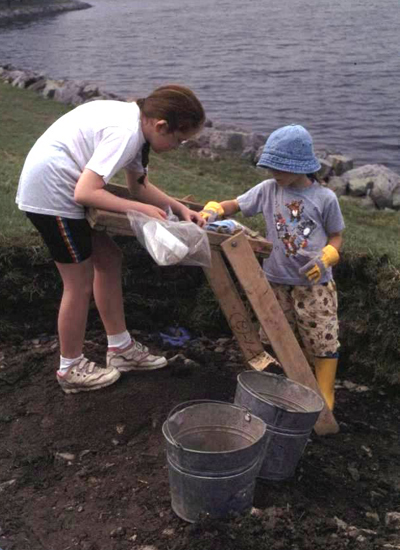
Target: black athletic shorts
(69,240)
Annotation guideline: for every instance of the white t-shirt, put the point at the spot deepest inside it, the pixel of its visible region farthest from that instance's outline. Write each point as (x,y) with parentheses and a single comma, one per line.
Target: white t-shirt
(103,136)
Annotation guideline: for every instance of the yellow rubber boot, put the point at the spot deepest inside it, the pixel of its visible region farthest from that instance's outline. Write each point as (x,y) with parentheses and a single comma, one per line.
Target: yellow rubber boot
(325,373)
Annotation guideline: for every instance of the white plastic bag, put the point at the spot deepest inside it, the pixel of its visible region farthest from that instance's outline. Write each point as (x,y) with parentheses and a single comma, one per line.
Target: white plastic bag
(171,242)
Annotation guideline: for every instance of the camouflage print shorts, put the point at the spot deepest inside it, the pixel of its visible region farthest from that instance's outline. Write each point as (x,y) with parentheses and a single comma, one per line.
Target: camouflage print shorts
(312,314)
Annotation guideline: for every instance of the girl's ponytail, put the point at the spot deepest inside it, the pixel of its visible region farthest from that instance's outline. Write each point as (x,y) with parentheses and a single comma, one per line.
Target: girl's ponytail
(140,103)
(177,105)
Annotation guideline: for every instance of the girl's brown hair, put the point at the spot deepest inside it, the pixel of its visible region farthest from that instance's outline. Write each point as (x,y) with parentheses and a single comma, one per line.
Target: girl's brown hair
(177,105)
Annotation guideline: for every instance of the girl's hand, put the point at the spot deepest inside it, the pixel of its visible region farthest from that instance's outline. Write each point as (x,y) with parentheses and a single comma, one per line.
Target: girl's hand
(150,210)
(192,216)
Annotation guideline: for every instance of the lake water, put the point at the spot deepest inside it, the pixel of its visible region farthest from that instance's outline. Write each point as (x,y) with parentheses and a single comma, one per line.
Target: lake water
(332,66)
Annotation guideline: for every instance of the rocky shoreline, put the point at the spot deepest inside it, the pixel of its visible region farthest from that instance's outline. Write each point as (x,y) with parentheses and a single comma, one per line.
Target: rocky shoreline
(28,12)
(372,186)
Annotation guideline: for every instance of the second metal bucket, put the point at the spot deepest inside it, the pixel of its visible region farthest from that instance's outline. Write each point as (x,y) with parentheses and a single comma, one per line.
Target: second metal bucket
(290,411)
(214,454)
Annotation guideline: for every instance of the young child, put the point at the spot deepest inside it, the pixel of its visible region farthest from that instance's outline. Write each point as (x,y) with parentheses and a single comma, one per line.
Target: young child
(305,225)
(67,170)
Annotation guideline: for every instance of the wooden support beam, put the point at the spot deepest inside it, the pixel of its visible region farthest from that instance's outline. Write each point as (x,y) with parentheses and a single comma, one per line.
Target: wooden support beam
(118,224)
(235,312)
(273,321)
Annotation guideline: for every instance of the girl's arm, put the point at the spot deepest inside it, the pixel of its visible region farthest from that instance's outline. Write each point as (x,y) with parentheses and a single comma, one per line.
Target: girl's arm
(89,191)
(336,240)
(149,193)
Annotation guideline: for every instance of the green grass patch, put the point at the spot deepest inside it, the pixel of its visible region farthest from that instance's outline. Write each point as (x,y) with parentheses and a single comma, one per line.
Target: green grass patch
(368,276)
(24,117)
(374,233)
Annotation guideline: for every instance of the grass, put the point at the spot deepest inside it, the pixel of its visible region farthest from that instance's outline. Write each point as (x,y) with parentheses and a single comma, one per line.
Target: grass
(24,117)
(373,233)
(368,275)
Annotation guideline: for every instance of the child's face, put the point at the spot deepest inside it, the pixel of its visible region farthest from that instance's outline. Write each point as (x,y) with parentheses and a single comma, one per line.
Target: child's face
(161,140)
(288,179)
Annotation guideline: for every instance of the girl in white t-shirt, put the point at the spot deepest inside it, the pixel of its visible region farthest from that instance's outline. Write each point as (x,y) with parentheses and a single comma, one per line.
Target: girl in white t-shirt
(66,171)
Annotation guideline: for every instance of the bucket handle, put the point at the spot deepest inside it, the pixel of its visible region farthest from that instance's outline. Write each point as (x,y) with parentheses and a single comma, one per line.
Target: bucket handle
(198,402)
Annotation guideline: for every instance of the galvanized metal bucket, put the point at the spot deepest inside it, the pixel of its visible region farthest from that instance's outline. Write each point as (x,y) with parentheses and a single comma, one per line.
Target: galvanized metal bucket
(289,410)
(214,454)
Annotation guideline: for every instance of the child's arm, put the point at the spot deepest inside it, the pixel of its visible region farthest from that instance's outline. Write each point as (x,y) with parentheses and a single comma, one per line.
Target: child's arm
(336,240)
(230,207)
(214,210)
(89,191)
(329,256)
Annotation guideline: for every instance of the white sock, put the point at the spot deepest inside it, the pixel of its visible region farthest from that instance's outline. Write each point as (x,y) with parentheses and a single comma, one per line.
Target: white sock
(66,363)
(121,340)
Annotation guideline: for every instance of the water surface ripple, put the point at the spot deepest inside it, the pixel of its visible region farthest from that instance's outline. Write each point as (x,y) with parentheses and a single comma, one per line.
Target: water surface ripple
(331,66)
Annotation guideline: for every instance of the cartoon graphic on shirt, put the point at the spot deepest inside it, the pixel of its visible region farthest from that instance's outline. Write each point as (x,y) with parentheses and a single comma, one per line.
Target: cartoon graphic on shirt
(291,247)
(305,229)
(296,210)
(296,232)
(280,224)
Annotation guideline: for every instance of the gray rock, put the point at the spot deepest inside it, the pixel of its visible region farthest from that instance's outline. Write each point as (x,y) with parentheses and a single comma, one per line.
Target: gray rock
(90,91)
(326,169)
(229,140)
(396,198)
(385,183)
(249,154)
(201,141)
(392,521)
(30,12)
(360,187)
(257,140)
(38,85)
(69,93)
(323,153)
(374,180)
(50,88)
(338,186)
(258,154)
(373,518)
(340,163)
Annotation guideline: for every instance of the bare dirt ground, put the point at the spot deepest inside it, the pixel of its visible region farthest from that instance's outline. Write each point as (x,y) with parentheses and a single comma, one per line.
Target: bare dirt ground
(89,471)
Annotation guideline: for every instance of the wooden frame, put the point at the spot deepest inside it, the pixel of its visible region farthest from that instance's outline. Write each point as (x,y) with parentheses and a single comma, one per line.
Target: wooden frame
(240,251)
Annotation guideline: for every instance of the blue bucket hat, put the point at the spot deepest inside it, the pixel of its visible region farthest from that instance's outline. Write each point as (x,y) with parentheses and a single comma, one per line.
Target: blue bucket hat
(290,149)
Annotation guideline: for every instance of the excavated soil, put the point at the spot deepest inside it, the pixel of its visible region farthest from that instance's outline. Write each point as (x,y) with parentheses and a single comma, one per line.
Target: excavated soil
(89,471)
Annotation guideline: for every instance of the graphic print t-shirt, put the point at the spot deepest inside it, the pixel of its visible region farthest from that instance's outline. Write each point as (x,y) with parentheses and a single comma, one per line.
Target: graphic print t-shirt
(298,224)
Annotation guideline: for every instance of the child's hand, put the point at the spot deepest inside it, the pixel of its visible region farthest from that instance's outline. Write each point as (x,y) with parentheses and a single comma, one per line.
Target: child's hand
(318,265)
(212,211)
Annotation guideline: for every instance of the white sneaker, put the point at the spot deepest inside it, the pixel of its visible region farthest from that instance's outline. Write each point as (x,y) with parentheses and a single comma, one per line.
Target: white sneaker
(135,357)
(86,376)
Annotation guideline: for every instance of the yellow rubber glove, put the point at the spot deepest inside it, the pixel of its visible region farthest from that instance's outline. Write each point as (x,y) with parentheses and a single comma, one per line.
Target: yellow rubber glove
(318,265)
(212,212)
